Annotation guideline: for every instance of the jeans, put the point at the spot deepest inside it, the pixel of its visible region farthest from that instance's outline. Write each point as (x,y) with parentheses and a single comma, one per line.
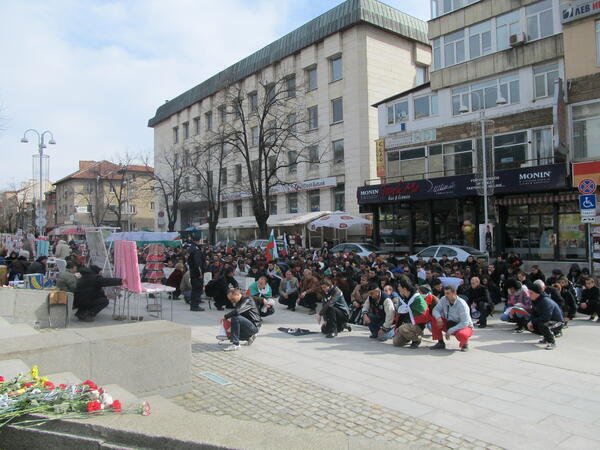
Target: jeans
(335,320)
(197,285)
(241,329)
(545,329)
(484,309)
(290,302)
(375,324)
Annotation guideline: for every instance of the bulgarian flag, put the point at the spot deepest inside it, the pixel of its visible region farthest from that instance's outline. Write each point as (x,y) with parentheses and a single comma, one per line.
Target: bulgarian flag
(271,250)
(416,308)
(286,250)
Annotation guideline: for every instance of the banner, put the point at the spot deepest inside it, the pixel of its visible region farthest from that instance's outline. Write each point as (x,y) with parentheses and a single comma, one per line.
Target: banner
(512,181)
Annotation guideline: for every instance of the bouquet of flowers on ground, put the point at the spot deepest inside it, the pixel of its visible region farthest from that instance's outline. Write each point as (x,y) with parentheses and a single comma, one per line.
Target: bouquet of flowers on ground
(24,396)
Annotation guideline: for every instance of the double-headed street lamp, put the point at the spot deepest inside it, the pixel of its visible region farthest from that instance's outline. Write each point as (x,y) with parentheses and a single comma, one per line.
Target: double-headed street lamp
(41,222)
(482,120)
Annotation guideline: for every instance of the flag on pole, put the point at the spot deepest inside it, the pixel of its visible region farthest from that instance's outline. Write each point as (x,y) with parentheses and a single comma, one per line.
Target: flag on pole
(271,250)
(228,248)
(286,251)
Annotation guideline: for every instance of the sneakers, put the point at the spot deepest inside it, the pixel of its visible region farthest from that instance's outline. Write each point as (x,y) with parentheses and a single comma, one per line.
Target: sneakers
(558,334)
(197,308)
(347,327)
(465,348)
(232,348)
(550,346)
(251,339)
(441,345)
(222,337)
(415,344)
(331,335)
(542,341)
(519,329)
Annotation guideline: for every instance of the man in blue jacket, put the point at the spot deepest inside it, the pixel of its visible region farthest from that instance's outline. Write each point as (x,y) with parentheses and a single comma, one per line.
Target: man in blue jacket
(546,316)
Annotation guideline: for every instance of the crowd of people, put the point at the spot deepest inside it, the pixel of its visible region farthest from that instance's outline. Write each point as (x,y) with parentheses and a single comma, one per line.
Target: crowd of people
(396,298)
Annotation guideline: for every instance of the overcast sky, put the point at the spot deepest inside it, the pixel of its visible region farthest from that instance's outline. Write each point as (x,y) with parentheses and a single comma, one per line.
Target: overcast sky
(94,72)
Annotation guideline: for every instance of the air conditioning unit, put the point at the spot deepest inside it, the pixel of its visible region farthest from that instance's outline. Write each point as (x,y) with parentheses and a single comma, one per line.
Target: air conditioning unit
(517,39)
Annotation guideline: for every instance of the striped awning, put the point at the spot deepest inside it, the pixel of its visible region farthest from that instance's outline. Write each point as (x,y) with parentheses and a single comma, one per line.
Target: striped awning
(536,199)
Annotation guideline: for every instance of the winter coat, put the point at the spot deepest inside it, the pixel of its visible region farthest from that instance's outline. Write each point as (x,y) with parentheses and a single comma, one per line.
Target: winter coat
(89,288)
(63,251)
(246,307)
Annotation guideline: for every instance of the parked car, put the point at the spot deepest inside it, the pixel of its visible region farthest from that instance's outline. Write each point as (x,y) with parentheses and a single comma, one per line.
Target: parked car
(460,252)
(360,248)
(262,244)
(230,243)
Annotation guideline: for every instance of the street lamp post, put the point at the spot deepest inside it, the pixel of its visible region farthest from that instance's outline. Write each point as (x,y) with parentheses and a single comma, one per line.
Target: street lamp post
(482,120)
(41,147)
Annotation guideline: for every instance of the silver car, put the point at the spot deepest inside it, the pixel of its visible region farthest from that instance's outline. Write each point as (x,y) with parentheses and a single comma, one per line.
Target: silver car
(460,252)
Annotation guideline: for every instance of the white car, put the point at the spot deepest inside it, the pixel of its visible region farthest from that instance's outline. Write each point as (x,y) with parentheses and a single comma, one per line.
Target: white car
(360,248)
(460,252)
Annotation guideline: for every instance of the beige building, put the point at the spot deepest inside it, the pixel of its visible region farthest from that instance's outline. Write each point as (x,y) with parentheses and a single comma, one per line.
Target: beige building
(96,193)
(340,62)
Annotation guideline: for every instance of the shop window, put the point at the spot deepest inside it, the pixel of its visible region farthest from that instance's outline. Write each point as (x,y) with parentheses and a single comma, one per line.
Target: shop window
(458,158)
(572,242)
(539,20)
(480,39)
(394,224)
(529,233)
(586,130)
(543,80)
(421,215)
(510,151)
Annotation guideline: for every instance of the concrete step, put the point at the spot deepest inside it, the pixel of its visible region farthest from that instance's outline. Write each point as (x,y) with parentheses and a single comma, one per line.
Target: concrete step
(127,399)
(3,323)
(10,368)
(62,378)
(17,330)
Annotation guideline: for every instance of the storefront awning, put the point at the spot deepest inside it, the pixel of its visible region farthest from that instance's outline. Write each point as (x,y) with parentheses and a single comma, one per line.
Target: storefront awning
(537,199)
(278,220)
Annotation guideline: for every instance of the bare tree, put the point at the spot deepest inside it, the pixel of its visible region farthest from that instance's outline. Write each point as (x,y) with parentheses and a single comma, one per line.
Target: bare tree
(271,131)
(16,202)
(171,183)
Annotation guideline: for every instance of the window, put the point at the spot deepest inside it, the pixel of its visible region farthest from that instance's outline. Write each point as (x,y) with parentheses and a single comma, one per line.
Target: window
(239,210)
(254,136)
(458,158)
(292,161)
(292,203)
(598,42)
(426,106)
(290,86)
(270,92)
(292,122)
(409,164)
(273,205)
(196,125)
(486,94)
(539,20)
(209,124)
(480,39)
(437,54)
(238,173)
(186,130)
(543,80)
(398,113)
(175,135)
(256,172)
(313,118)
(506,25)
(186,157)
(337,110)
(338,151)
(311,78)
(440,7)
(586,130)
(253,101)
(224,210)
(151,206)
(335,68)
(132,209)
(222,114)
(209,178)
(313,157)
(272,164)
(510,151)
(314,200)
(421,75)
(339,196)
(223,176)
(454,48)
(543,147)
(90,208)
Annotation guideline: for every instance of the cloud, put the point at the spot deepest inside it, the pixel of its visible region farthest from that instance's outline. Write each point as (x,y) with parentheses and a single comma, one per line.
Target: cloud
(94,72)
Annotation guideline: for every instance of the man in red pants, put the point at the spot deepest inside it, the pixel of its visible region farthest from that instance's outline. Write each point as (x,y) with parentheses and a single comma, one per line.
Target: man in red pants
(452,316)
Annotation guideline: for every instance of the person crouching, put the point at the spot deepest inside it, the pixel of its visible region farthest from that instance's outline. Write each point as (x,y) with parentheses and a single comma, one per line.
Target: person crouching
(451,315)
(245,319)
(335,312)
(413,315)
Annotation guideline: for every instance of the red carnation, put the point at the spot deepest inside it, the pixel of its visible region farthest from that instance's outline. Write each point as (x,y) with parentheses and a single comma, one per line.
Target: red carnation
(1,379)
(62,386)
(49,385)
(90,384)
(94,406)
(27,385)
(116,406)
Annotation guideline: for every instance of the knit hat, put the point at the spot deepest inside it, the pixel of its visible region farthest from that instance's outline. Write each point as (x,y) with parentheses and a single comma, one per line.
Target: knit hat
(535,288)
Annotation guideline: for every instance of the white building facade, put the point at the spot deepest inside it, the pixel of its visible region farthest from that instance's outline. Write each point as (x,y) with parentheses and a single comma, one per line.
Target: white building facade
(343,61)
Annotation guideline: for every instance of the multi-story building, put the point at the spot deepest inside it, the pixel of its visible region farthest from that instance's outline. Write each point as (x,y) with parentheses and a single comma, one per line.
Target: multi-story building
(342,61)
(500,63)
(99,189)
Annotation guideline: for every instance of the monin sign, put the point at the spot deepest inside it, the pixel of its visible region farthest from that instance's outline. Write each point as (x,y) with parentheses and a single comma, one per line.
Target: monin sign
(524,177)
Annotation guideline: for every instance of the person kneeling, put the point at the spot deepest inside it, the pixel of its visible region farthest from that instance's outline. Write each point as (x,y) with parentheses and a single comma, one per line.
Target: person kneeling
(453,316)
(546,317)
(334,314)
(378,314)
(412,316)
(245,319)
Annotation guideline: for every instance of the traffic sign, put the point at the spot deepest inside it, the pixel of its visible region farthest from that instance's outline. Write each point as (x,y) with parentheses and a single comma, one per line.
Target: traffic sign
(587,186)
(587,201)
(40,222)
(40,212)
